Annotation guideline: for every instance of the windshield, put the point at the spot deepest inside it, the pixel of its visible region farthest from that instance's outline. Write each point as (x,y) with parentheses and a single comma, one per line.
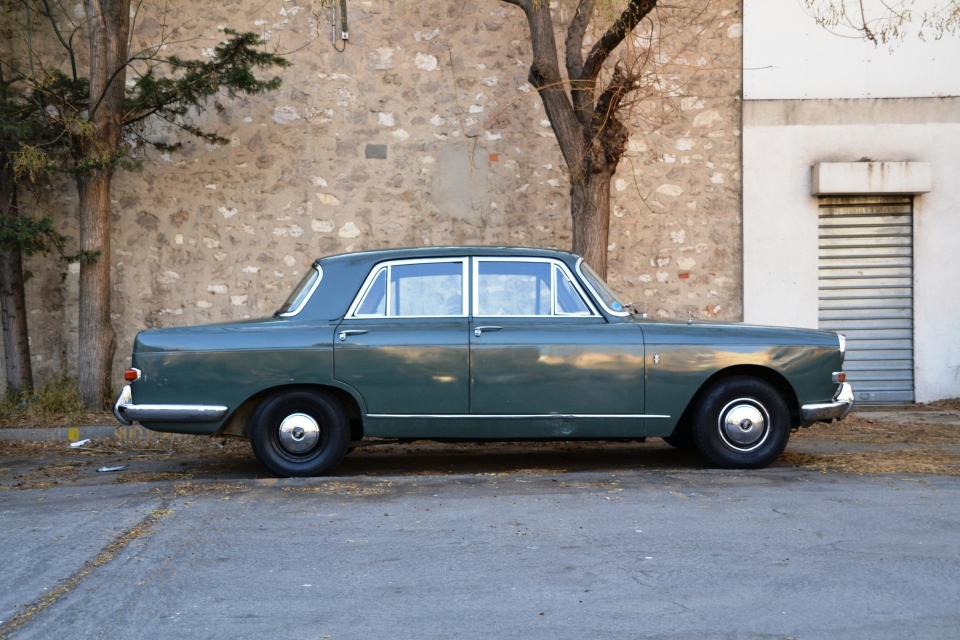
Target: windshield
(298,297)
(606,295)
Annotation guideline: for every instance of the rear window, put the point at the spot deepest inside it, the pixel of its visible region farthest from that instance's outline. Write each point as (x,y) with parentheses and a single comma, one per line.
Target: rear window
(298,297)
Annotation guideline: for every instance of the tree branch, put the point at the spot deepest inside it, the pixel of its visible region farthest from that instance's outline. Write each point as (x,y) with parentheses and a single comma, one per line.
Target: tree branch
(636,11)
(575,32)
(582,93)
(608,103)
(545,76)
(66,45)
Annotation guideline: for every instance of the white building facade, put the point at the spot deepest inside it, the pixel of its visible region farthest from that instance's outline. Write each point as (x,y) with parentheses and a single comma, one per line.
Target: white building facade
(851,197)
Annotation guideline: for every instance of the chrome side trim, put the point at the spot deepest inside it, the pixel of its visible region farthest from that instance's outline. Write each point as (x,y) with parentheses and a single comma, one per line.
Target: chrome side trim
(306,298)
(586,281)
(125,397)
(827,411)
(561,416)
(127,412)
(172,412)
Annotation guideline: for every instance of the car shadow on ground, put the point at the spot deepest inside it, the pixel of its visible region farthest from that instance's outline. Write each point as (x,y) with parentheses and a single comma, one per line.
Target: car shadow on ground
(57,464)
(430,458)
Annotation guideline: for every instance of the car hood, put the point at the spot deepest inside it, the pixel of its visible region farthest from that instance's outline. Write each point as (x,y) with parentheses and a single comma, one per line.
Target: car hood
(704,331)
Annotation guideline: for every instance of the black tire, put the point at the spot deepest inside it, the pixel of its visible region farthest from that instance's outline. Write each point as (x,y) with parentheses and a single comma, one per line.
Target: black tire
(319,445)
(741,423)
(681,438)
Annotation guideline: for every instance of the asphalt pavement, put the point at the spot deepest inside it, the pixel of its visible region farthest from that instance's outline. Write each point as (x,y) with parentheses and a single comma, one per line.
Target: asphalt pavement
(551,549)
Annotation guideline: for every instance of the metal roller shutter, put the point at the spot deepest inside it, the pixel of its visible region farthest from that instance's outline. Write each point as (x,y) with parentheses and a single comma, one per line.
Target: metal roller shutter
(866,291)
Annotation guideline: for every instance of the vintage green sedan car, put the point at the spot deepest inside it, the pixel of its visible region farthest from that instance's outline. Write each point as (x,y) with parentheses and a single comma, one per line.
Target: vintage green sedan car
(479,343)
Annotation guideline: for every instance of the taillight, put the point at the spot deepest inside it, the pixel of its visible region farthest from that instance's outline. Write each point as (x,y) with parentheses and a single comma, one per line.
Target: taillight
(839,377)
(131,374)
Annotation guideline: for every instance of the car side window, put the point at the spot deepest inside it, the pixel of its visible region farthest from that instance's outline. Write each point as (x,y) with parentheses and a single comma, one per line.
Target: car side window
(414,289)
(569,302)
(427,289)
(526,288)
(506,288)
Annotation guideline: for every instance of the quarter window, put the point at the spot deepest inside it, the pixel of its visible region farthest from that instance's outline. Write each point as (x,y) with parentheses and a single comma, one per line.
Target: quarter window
(374,302)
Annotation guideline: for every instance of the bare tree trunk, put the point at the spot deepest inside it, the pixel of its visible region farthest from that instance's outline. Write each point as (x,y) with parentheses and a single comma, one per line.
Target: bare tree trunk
(13,306)
(591,137)
(98,341)
(109,26)
(590,210)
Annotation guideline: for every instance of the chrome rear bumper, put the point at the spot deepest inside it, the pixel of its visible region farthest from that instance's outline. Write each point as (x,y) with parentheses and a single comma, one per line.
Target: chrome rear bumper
(127,412)
(827,411)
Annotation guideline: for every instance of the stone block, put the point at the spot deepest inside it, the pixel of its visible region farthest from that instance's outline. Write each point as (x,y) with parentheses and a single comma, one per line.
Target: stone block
(376,151)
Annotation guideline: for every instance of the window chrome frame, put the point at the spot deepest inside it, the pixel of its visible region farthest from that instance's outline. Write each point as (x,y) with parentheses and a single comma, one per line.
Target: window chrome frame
(306,298)
(375,271)
(553,284)
(586,281)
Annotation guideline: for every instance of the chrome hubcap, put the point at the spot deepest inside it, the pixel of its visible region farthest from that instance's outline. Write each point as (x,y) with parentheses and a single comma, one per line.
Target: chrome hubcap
(299,433)
(744,424)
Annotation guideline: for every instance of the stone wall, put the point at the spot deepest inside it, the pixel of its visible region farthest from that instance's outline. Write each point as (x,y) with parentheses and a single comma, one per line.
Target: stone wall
(424,131)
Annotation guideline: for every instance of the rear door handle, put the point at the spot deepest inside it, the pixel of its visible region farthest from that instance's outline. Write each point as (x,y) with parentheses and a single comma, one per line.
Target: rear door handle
(477,331)
(351,332)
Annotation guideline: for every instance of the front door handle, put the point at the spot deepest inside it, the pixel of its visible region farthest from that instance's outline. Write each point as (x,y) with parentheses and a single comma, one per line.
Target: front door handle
(351,332)
(479,330)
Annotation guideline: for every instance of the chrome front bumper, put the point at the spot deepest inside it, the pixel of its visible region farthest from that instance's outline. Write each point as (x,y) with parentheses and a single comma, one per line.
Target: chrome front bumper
(827,411)
(127,412)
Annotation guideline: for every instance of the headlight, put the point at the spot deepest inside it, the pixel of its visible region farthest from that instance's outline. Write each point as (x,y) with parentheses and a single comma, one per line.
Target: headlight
(843,346)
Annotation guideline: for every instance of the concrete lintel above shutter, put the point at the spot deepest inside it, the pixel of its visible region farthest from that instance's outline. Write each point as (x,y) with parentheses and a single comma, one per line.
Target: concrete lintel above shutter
(852,178)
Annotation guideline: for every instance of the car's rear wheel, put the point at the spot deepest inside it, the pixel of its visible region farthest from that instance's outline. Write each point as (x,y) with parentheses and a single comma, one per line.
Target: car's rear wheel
(741,423)
(300,433)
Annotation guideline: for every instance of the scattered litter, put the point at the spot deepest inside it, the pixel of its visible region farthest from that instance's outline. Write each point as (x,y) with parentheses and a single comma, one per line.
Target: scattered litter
(80,443)
(222,442)
(109,469)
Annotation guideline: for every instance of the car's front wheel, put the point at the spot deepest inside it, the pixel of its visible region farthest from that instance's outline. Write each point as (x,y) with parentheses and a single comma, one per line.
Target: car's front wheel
(742,423)
(300,433)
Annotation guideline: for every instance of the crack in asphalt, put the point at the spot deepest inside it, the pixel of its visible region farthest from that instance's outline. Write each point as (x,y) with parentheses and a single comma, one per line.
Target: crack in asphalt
(108,553)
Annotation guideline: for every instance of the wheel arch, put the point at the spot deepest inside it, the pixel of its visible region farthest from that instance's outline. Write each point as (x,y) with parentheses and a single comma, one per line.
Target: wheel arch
(238,424)
(770,376)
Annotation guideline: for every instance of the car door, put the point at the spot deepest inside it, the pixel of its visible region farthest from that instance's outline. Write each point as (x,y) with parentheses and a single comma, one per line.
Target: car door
(403,343)
(540,350)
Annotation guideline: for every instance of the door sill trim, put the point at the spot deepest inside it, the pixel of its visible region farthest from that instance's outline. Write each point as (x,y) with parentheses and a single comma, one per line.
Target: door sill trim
(497,416)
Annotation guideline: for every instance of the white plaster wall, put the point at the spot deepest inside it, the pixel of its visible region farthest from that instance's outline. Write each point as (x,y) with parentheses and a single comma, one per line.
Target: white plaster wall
(780,229)
(787,55)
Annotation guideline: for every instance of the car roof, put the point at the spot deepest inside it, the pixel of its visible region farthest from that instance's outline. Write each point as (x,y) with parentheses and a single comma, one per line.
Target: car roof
(380,255)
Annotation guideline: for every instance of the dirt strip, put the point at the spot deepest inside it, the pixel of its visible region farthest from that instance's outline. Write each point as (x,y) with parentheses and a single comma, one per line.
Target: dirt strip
(30,611)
